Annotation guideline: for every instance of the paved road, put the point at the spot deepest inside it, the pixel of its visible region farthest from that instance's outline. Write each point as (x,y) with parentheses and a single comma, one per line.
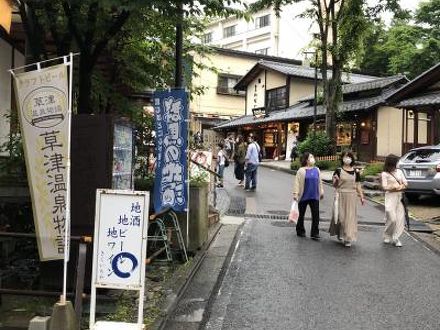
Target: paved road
(276,280)
(274,196)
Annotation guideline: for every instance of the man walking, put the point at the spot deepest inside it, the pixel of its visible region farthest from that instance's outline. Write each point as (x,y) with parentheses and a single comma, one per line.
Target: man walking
(251,164)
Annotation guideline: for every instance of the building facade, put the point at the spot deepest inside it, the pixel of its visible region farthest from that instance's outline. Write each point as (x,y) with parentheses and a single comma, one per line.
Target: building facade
(220,102)
(280,104)
(265,33)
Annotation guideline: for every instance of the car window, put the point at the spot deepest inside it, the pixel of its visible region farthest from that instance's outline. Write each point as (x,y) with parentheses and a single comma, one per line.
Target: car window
(423,155)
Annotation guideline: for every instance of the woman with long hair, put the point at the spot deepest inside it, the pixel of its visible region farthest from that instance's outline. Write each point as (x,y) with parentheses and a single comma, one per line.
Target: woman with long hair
(308,190)
(346,180)
(393,183)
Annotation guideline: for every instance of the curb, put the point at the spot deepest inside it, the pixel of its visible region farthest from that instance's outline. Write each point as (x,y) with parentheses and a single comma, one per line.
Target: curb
(172,303)
(281,169)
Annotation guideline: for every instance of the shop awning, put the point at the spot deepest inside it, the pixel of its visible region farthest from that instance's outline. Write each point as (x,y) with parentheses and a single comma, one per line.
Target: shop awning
(305,110)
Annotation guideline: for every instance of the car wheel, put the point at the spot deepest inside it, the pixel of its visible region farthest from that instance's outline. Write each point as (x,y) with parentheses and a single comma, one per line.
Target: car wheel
(412,197)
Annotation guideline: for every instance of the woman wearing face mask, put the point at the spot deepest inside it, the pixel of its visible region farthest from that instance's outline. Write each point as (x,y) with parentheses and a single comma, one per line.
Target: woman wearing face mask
(346,180)
(308,190)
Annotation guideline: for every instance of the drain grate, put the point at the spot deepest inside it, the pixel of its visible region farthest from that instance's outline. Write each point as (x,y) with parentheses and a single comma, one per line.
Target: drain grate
(277,212)
(266,216)
(237,205)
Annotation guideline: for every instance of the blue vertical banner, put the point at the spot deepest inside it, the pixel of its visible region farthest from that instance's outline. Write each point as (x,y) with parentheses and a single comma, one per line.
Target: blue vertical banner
(170,114)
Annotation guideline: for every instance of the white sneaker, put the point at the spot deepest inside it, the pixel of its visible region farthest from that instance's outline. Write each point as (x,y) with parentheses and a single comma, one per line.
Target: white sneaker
(347,244)
(387,240)
(397,243)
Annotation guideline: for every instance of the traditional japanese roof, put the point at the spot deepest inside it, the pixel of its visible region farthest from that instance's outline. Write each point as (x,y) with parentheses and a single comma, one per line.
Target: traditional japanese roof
(294,70)
(429,99)
(305,109)
(379,83)
(420,84)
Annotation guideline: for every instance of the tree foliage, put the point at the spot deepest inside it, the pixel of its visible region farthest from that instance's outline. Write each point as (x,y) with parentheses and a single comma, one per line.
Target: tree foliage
(134,38)
(410,45)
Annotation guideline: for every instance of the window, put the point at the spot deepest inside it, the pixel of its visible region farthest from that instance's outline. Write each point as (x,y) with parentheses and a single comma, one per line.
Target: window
(229,31)
(264,51)
(226,84)
(262,21)
(207,38)
(276,99)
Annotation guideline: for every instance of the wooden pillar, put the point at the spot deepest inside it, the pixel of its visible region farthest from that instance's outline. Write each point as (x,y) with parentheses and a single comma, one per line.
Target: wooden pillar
(279,138)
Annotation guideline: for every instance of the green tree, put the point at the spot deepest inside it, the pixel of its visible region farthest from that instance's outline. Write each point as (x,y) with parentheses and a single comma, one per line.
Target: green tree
(342,30)
(410,45)
(90,26)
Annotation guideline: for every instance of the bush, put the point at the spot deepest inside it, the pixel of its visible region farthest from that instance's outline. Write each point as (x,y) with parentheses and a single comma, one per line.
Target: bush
(294,166)
(319,144)
(144,183)
(372,169)
(330,165)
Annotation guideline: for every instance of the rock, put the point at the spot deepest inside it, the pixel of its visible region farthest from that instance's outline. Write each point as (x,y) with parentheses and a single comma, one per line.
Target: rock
(372,178)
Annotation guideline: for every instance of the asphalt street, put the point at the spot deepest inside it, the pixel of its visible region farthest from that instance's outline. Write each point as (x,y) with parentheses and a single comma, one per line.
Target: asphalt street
(276,280)
(274,197)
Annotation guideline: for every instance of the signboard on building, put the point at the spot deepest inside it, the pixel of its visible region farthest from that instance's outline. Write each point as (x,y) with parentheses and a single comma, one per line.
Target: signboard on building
(259,112)
(171,116)
(120,243)
(42,97)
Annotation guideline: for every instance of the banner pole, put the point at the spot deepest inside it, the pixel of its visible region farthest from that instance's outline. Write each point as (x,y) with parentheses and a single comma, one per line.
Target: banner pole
(68,167)
(188,155)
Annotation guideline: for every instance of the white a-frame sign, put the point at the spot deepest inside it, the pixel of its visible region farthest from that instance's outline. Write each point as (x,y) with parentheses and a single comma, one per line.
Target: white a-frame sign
(119,249)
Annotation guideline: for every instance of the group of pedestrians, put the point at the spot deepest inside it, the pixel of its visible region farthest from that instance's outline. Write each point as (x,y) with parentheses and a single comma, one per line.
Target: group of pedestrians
(246,156)
(308,191)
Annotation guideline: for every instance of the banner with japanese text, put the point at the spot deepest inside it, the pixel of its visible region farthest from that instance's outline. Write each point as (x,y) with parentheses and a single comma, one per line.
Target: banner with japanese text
(171,113)
(42,98)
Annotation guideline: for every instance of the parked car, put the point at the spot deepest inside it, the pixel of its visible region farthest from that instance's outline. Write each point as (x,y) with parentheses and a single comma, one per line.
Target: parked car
(421,167)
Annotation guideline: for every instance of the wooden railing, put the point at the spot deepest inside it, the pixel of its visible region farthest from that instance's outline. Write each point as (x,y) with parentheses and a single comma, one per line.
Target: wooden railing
(331,158)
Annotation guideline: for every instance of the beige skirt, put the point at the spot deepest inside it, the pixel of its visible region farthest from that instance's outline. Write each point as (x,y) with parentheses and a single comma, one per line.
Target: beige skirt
(346,225)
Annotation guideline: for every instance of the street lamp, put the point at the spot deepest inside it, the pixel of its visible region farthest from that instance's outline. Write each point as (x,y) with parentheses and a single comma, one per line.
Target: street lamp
(315,101)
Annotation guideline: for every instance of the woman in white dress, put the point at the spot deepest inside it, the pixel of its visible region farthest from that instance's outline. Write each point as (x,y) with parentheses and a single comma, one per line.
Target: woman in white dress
(393,183)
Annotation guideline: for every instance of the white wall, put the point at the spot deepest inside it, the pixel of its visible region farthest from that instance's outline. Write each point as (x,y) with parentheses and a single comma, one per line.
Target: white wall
(389,131)
(256,91)
(287,36)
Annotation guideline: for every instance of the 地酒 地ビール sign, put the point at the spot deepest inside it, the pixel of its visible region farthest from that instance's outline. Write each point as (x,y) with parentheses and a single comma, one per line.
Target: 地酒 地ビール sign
(42,98)
(171,113)
(120,238)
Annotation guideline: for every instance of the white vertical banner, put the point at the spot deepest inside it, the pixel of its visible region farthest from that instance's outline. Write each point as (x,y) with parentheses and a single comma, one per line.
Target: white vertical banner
(43,102)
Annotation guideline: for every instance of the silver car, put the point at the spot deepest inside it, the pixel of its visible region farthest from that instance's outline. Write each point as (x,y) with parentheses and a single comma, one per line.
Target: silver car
(421,167)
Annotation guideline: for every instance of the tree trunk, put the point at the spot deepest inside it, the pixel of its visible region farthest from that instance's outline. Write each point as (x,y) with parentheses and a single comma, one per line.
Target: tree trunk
(85,85)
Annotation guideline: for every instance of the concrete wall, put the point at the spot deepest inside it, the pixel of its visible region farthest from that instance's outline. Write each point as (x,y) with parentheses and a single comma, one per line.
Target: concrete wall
(300,88)
(219,104)
(389,131)
(256,93)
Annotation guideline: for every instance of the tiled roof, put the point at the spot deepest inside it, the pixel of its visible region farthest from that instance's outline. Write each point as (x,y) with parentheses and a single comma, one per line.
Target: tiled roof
(304,110)
(295,70)
(379,83)
(421,100)
(309,72)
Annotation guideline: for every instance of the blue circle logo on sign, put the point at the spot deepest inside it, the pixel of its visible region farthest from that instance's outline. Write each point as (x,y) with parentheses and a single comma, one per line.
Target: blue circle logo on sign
(119,260)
